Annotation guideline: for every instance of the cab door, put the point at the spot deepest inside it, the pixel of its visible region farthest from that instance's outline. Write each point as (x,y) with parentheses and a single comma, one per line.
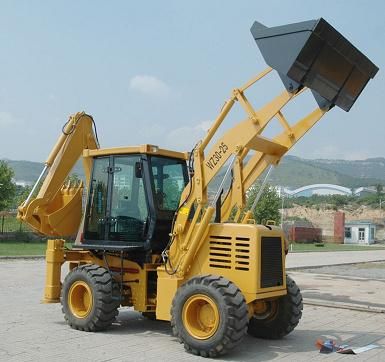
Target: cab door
(117,210)
(128,211)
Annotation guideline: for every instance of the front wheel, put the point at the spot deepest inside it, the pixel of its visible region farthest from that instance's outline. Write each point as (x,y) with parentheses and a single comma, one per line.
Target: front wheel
(276,318)
(209,315)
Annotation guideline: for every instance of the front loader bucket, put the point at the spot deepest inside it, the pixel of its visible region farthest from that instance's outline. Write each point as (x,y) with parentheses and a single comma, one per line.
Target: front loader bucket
(314,54)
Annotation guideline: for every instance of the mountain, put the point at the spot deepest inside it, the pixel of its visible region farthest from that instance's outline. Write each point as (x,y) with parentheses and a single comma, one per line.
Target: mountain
(26,170)
(29,171)
(369,168)
(295,172)
(291,172)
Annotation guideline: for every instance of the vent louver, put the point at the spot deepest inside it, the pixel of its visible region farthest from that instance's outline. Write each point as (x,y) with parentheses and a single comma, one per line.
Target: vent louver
(226,252)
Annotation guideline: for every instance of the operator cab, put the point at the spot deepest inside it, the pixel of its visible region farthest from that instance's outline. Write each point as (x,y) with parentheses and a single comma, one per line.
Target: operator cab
(132,200)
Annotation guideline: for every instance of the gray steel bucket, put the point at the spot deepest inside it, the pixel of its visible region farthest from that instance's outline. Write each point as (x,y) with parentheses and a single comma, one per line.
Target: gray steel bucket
(314,54)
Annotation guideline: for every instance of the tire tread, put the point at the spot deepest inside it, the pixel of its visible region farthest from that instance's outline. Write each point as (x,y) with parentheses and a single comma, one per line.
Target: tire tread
(288,315)
(106,302)
(236,309)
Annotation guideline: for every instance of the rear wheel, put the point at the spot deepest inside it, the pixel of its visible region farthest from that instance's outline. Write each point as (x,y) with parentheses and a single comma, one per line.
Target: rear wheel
(209,315)
(276,318)
(90,298)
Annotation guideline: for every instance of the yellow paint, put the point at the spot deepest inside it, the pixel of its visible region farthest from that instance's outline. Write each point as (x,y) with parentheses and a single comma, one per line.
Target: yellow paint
(263,309)
(184,210)
(233,251)
(80,299)
(167,287)
(200,316)
(145,149)
(54,260)
(56,210)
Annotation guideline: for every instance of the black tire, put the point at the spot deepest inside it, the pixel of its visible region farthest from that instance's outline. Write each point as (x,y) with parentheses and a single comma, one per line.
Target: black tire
(228,303)
(281,317)
(95,284)
(149,315)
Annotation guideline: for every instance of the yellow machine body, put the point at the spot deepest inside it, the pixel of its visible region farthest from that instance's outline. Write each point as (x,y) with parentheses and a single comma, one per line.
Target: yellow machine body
(192,251)
(209,236)
(239,252)
(233,251)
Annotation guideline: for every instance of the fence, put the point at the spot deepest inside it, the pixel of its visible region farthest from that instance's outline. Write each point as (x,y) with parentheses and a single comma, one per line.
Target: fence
(13,229)
(305,234)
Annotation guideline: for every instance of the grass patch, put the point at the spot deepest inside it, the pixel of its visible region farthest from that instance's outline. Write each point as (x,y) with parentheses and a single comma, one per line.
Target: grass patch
(16,248)
(299,248)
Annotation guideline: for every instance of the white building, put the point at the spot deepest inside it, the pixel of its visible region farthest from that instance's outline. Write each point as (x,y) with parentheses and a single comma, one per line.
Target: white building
(326,189)
(319,189)
(359,232)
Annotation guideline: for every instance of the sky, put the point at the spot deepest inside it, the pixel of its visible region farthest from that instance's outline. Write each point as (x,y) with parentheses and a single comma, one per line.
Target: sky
(159,72)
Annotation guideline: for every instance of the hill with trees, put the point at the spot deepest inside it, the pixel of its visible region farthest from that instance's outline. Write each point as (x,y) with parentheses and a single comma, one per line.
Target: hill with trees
(292,172)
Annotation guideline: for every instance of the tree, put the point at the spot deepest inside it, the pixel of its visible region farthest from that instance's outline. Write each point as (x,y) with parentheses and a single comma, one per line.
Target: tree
(7,187)
(73,178)
(21,194)
(268,205)
(379,189)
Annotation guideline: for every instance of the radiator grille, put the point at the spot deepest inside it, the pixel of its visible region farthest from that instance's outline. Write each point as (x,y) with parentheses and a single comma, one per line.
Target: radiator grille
(226,252)
(271,262)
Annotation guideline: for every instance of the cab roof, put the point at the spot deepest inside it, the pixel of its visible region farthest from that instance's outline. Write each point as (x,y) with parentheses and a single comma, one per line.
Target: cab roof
(143,149)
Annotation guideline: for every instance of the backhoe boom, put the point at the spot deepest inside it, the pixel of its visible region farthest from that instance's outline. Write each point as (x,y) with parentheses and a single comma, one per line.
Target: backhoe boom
(57,208)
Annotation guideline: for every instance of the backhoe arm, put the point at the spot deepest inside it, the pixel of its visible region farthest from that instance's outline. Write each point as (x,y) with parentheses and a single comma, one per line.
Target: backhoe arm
(57,208)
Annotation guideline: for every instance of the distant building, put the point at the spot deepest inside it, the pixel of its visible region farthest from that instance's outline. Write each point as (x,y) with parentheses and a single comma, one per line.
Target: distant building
(365,191)
(326,189)
(319,189)
(359,232)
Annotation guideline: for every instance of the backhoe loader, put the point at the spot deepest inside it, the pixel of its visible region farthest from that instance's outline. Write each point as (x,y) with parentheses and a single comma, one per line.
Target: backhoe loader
(150,237)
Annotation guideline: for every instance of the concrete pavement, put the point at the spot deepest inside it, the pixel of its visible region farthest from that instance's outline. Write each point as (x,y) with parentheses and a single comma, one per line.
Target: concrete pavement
(312,259)
(30,331)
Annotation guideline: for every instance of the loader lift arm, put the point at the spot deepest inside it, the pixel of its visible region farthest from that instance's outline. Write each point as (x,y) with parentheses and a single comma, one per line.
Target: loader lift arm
(318,59)
(57,208)
(233,147)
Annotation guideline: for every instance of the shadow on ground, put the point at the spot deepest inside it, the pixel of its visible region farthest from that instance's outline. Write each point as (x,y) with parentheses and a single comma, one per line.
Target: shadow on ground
(251,349)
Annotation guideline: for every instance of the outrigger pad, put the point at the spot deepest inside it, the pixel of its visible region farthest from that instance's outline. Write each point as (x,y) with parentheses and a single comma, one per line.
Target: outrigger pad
(314,54)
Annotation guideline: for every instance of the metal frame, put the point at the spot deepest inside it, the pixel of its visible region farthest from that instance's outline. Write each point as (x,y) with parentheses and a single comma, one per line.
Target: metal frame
(238,142)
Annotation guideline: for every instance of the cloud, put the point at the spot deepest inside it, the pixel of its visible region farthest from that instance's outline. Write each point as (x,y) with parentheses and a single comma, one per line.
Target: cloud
(6,119)
(149,85)
(184,138)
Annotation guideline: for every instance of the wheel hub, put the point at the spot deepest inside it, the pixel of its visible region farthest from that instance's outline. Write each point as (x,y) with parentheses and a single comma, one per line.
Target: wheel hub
(80,299)
(200,316)
(265,309)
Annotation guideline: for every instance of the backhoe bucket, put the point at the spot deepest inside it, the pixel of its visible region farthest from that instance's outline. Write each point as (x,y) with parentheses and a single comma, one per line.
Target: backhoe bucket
(314,54)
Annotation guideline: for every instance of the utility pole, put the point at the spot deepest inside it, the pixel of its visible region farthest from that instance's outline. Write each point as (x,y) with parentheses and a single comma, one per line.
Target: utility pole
(283,198)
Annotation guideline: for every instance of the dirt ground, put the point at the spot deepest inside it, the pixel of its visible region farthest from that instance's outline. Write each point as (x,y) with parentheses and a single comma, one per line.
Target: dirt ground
(324,218)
